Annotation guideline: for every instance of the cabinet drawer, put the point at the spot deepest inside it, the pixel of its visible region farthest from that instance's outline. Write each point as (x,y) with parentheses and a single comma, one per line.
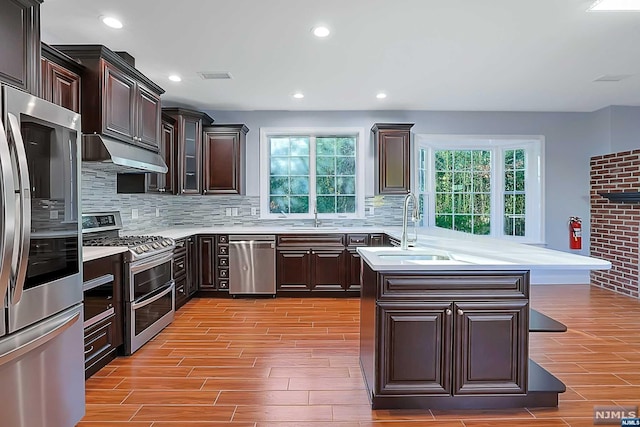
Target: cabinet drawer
(98,341)
(357,239)
(179,265)
(223,261)
(223,284)
(223,272)
(181,292)
(459,286)
(222,238)
(310,240)
(181,244)
(223,250)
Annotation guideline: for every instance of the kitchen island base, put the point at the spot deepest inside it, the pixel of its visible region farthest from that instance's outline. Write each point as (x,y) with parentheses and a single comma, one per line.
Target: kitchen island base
(450,340)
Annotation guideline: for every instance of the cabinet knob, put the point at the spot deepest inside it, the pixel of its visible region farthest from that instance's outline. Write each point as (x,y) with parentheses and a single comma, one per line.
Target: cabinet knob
(448,311)
(183,191)
(460,312)
(204,191)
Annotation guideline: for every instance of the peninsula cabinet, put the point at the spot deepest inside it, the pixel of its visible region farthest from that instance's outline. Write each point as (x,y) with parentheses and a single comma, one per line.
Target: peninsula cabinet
(118,100)
(165,183)
(60,79)
(188,142)
(447,340)
(393,158)
(20,44)
(224,159)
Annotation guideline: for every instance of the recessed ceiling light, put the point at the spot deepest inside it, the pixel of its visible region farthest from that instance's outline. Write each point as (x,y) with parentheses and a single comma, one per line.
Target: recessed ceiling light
(602,5)
(381,95)
(298,95)
(175,78)
(321,31)
(112,22)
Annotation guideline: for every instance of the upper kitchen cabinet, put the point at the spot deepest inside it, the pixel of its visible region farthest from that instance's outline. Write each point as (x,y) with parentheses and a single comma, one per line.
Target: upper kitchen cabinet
(60,78)
(224,159)
(188,140)
(118,100)
(393,164)
(20,44)
(165,182)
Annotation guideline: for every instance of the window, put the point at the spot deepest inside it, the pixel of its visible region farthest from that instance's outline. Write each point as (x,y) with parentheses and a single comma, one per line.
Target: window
(481,185)
(308,170)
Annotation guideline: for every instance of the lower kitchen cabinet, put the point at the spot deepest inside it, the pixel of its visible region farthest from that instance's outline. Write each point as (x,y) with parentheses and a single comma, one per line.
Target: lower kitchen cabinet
(293,270)
(213,263)
(447,340)
(103,311)
(328,269)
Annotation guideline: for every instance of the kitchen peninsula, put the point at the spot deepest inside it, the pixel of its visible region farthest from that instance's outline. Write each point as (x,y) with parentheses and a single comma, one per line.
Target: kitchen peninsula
(445,325)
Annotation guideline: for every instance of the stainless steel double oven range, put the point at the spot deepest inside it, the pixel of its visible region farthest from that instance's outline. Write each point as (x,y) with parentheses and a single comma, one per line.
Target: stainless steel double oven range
(149,288)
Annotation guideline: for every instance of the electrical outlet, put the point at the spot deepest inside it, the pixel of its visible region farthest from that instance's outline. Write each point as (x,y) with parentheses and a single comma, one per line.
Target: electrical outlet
(53,214)
(134,213)
(254,211)
(157,212)
(234,211)
(227,211)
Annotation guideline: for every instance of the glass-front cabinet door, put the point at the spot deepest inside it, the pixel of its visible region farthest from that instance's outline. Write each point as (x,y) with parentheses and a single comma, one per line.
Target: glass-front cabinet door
(190,156)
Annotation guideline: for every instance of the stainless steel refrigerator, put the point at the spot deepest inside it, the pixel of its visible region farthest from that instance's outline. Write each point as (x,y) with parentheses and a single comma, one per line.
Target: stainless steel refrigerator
(41,323)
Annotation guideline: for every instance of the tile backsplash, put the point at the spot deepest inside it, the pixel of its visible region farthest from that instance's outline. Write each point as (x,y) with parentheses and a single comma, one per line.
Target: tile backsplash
(155,211)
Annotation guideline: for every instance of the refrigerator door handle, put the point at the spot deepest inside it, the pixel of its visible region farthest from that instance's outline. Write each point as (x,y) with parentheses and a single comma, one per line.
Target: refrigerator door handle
(7,196)
(21,260)
(37,336)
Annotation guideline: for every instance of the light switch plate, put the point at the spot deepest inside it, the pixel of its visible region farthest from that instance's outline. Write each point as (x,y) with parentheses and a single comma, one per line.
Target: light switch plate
(134,213)
(254,211)
(227,211)
(157,212)
(234,211)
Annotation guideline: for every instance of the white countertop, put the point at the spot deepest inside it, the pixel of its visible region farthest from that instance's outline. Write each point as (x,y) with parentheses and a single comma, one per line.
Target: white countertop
(181,232)
(89,253)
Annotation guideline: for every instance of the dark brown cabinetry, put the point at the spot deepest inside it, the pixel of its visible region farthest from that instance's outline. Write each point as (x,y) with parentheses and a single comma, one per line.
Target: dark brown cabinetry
(353,261)
(181,272)
(311,262)
(188,142)
(224,159)
(393,157)
(445,339)
(214,262)
(103,311)
(118,100)
(60,79)
(165,182)
(20,44)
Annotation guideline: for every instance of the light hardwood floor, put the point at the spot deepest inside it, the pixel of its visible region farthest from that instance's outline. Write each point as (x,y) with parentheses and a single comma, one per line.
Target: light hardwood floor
(293,362)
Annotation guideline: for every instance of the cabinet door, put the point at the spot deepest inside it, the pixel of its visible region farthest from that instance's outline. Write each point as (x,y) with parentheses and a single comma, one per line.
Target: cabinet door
(161,182)
(328,269)
(221,166)
(293,269)
(20,44)
(148,121)
(189,155)
(393,162)
(376,240)
(118,104)
(415,348)
(192,282)
(206,249)
(353,273)
(61,86)
(491,347)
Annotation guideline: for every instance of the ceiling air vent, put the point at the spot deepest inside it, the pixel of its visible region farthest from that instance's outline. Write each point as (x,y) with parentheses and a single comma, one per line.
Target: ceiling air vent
(214,75)
(612,77)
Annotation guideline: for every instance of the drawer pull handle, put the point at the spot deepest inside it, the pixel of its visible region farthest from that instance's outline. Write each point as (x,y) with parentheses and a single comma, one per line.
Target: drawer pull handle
(88,351)
(181,264)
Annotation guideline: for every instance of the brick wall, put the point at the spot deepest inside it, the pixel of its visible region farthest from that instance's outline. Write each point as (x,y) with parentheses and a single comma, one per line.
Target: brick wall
(614,226)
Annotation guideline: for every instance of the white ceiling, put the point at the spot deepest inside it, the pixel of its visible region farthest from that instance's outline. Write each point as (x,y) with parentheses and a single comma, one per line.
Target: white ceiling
(468,55)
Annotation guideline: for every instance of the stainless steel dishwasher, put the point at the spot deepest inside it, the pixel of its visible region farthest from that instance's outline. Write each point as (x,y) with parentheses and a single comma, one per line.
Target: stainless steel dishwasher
(252,264)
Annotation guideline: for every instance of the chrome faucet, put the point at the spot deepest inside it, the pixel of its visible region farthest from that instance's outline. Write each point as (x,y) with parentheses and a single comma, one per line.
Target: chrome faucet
(316,221)
(404,242)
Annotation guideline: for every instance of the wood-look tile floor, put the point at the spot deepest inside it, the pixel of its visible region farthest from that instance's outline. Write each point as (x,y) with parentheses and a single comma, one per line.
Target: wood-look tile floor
(292,362)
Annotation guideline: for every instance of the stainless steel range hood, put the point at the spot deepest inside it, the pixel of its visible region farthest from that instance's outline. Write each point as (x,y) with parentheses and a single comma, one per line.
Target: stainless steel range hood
(100,148)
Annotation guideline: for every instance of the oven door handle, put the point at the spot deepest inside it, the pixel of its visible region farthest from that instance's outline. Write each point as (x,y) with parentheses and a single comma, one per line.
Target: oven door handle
(8,213)
(151,299)
(150,263)
(21,259)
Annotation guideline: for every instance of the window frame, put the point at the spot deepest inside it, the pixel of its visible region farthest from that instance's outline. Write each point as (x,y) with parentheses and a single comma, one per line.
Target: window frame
(312,133)
(497,144)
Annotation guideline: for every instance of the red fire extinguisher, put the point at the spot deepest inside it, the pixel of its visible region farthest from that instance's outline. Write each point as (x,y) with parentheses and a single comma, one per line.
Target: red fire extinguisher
(575,233)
